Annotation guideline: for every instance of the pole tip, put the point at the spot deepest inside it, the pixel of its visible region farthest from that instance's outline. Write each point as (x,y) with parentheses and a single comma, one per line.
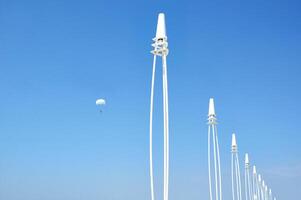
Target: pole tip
(254,169)
(247,159)
(234,144)
(161,28)
(211,107)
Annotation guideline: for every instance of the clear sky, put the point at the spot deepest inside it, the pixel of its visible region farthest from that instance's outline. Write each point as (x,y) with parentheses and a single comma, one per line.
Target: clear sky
(57,57)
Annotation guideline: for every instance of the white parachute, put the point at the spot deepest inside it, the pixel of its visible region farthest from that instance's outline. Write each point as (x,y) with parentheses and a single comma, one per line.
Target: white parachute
(100,102)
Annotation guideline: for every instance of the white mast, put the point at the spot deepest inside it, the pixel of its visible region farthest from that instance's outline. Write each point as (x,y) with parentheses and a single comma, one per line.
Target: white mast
(235,170)
(263,190)
(270,195)
(256,194)
(248,184)
(160,49)
(212,130)
(259,187)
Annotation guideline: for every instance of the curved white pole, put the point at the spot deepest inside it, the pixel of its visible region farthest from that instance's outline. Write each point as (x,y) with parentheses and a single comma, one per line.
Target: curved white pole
(238,172)
(236,176)
(232,176)
(166,127)
(215,164)
(253,183)
(151,130)
(246,185)
(218,163)
(251,186)
(160,48)
(209,161)
(165,138)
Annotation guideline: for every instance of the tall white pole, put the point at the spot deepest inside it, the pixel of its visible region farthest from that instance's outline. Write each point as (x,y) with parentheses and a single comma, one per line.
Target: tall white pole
(248,184)
(263,190)
(235,170)
(266,193)
(259,187)
(151,131)
(255,184)
(166,125)
(218,163)
(209,162)
(160,49)
(213,138)
(270,195)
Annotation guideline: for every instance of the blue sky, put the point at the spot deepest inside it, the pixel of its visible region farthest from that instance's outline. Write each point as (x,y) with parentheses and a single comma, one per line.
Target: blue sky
(57,57)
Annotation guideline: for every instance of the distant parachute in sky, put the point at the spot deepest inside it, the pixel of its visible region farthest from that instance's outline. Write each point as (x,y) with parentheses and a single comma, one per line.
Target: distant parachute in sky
(100,102)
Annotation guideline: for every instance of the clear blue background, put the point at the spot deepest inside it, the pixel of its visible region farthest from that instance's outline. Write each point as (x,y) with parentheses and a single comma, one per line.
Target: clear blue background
(57,57)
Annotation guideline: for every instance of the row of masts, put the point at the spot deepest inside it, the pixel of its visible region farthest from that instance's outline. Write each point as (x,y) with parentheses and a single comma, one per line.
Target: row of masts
(255,187)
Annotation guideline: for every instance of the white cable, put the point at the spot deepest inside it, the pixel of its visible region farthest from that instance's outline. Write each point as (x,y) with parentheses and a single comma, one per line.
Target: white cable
(151,130)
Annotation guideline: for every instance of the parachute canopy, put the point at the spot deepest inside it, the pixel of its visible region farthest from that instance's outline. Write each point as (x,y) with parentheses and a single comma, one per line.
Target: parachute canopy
(100,102)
